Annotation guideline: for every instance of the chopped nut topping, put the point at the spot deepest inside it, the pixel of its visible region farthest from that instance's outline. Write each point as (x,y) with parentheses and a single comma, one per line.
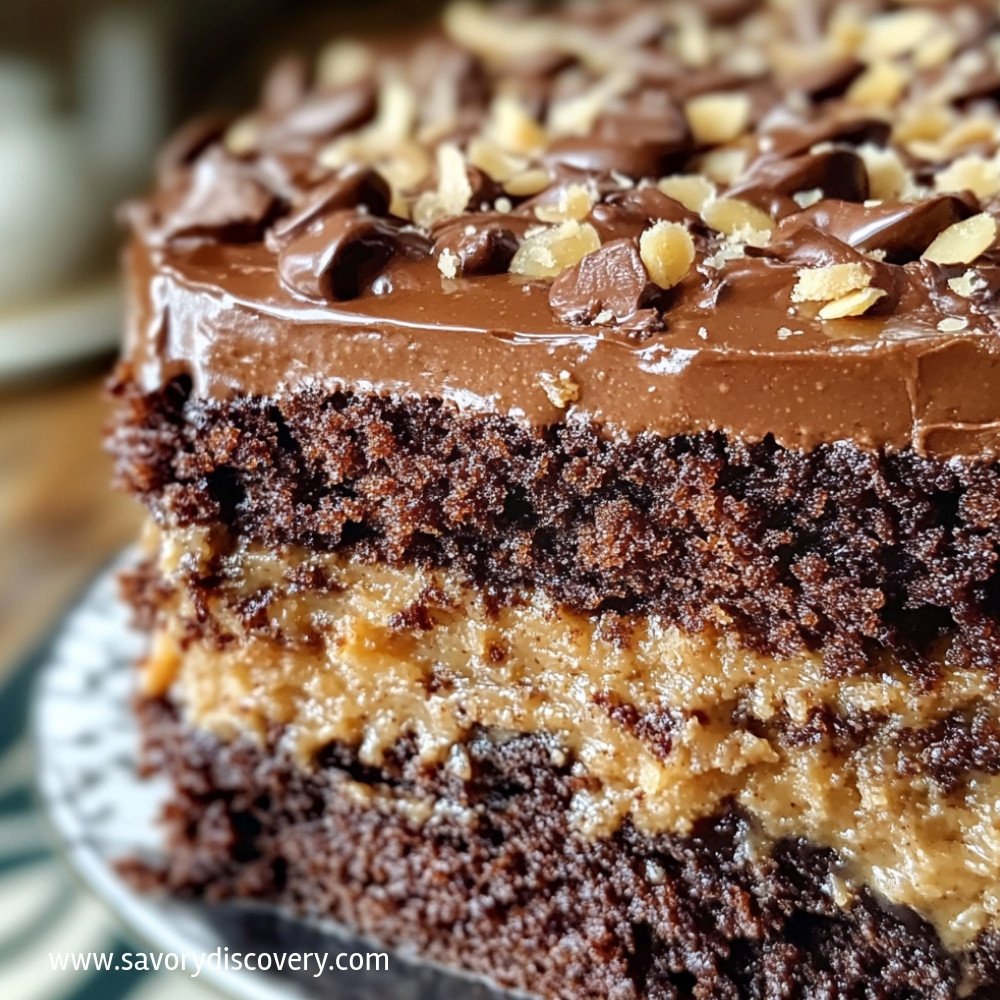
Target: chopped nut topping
(694,44)
(897,34)
(527,182)
(667,250)
(853,304)
(739,219)
(936,50)
(971,173)
(512,128)
(575,202)
(241,137)
(887,175)
(826,284)
(693,191)
(546,252)
(964,135)
(561,389)
(453,190)
(576,115)
(385,142)
(448,263)
(494,161)
(925,122)
(718,118)
(963,242)
(879,87)
(344,62)
(724,165)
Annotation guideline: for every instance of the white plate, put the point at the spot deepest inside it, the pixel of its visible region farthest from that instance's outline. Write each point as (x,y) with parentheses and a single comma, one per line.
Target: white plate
(87,743)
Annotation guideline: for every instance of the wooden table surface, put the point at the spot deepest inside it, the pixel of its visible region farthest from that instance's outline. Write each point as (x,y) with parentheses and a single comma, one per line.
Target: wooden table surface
(59,521)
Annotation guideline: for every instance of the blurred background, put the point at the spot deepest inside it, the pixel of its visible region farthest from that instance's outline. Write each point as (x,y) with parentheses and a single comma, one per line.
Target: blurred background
(88,91)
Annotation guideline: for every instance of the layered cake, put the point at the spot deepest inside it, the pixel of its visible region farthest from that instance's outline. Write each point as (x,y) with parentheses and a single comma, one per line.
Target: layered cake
(570,442)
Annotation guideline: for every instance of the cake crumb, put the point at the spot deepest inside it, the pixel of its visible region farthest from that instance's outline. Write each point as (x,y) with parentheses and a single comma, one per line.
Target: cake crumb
(561,389)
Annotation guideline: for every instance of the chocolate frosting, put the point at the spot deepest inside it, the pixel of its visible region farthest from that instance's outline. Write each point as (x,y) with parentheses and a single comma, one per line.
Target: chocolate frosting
(303,254)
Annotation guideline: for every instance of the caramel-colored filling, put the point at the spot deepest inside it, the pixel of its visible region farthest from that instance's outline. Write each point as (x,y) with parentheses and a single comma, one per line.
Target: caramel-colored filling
(370,679)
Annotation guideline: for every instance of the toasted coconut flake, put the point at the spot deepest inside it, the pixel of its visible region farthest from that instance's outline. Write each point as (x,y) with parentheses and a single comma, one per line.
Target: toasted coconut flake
(576,115)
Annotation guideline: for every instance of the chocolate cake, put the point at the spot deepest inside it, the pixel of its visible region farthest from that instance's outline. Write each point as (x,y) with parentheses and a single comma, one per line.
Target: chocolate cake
(571,442)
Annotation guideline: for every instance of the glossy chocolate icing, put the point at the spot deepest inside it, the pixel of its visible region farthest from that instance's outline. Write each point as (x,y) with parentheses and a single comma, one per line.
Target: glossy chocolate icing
(254,269)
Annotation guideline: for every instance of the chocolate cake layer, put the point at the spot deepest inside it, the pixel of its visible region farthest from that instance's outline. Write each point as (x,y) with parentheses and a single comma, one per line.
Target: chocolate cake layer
(485,871)
(842,550)
(779,223)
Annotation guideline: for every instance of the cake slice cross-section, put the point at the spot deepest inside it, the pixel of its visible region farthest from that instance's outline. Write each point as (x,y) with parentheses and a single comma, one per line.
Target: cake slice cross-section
(571,443)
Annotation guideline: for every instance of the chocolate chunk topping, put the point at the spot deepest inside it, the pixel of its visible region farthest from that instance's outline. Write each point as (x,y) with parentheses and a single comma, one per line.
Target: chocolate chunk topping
(612,280)
(353,187)
(218,198)
(338,256)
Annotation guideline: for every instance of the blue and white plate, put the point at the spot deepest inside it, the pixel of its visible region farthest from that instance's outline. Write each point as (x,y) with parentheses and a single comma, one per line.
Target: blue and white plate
(86,743)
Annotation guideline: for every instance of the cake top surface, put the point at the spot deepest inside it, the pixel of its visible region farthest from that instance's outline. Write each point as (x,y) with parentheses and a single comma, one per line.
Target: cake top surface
(759,217)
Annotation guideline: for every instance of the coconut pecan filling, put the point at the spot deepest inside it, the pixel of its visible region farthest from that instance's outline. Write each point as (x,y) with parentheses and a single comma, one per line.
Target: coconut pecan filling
(896,776)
